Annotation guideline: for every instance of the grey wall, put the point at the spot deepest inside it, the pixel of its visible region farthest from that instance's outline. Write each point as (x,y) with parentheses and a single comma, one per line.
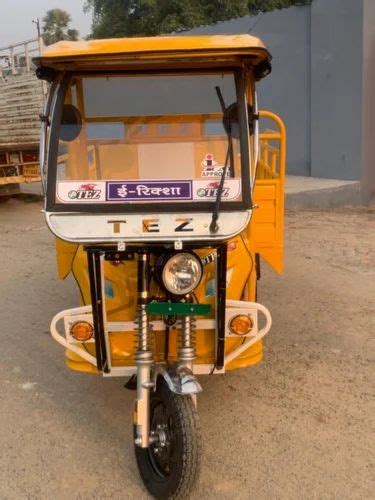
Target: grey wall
(318,80)
(336,83)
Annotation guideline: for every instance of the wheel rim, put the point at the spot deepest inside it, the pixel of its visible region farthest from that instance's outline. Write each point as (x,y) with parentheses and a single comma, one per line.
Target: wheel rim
(161,450)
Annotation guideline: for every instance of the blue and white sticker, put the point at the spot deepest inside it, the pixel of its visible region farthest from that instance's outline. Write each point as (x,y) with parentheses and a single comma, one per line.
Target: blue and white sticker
(87,191)
(148,190)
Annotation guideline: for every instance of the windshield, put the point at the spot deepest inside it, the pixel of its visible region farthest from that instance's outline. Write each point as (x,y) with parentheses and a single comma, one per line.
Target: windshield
(147,139)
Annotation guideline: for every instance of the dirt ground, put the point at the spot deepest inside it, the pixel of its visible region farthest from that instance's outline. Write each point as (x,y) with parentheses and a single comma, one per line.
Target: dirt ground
(300,425)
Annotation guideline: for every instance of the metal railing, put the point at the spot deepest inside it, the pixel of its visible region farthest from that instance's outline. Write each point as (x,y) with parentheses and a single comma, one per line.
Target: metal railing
(271,162)
(16,59)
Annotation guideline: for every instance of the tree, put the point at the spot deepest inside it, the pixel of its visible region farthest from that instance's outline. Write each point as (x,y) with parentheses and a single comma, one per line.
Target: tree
(116,18)
(55,27)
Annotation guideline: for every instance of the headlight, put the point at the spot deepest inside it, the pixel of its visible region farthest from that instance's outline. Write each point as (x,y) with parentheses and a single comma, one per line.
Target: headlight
(181,273)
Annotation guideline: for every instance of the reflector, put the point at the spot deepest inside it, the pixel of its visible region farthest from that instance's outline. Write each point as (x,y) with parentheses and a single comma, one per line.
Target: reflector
(82,331)
(241,324)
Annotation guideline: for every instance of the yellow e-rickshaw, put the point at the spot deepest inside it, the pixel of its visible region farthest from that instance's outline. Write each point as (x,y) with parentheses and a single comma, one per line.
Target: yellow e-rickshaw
(163,194)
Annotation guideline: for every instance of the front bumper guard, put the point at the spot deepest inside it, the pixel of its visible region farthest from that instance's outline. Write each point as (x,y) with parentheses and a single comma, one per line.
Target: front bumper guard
(233,307)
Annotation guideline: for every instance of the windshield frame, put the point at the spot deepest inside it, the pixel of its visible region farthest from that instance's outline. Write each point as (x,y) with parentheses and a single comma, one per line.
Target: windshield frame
(128,207)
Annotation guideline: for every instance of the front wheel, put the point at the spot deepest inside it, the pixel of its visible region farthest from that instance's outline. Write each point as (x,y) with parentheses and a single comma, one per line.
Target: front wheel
(170,466)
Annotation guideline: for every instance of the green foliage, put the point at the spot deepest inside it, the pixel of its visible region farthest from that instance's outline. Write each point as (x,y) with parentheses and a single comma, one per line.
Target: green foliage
(116,18)
(55,27)
(256,6)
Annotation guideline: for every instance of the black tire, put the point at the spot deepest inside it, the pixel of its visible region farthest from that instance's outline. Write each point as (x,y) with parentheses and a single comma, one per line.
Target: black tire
(172,471)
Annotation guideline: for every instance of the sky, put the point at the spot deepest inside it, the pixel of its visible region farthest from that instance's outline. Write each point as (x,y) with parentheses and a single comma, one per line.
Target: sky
(16,17)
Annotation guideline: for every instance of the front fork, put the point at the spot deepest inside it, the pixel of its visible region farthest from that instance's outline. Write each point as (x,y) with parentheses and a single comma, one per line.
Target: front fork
(143,356)
(180,379)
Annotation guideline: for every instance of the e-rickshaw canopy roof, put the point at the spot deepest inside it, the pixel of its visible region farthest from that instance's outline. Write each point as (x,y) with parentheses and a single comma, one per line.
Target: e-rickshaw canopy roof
(163,51)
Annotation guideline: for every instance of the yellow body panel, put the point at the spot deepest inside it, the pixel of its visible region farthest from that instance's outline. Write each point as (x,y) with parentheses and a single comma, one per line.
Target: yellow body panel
(18,179)
(29,173)
(267,225)
(147,48)
(65,254)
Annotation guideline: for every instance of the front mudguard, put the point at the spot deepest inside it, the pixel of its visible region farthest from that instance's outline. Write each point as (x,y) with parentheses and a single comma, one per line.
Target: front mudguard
(180,379)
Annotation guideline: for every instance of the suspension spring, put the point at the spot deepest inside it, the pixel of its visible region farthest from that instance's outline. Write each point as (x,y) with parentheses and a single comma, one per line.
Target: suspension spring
(143,330)
(187,348)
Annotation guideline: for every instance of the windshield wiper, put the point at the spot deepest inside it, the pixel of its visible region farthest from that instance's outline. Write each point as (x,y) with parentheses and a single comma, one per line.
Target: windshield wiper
(228,160)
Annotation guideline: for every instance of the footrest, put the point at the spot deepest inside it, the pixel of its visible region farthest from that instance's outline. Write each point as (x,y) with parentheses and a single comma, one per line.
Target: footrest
(178,309)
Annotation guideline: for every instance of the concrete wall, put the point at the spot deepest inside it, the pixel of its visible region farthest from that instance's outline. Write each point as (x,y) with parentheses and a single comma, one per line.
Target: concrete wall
(336,88)
(319,84)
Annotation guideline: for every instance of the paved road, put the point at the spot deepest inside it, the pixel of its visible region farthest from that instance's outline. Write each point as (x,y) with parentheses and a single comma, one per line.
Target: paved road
(298,425)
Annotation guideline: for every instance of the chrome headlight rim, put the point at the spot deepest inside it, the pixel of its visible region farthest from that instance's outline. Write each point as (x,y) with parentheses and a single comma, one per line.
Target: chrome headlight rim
(162,267)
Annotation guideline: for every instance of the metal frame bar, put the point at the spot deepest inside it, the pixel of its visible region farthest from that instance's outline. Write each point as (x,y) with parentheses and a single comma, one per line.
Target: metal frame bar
(221,291)
(98,305)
